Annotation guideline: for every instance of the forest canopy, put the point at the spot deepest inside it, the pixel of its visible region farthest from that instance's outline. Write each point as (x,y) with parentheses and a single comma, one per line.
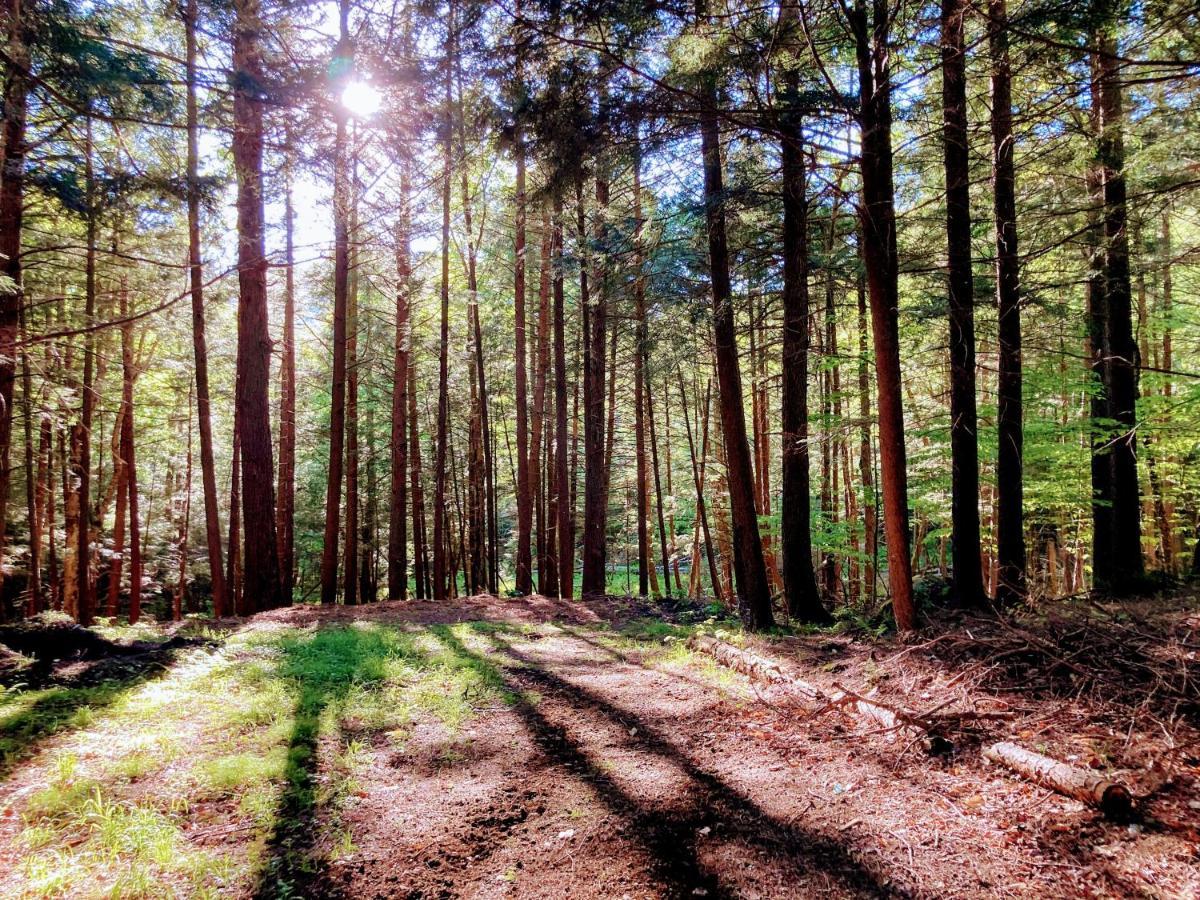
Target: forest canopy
(814,309)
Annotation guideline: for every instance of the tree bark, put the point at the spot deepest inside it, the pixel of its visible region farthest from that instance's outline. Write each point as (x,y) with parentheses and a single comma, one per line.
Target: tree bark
(285,518)
(964,426)
(640,385)
(443,415)
(254,339)
(566,542)
(350,565)
(545,547)
(12,200)
(595,501)
(421,574)
(795,531)
(872,47)
(1010,530)
(754,592)
(523,563)
(208,471)
(341,290)
(397,530)
(1125,544)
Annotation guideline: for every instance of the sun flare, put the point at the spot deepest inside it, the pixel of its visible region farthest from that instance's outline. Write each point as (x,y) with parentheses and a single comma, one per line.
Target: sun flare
(361,99)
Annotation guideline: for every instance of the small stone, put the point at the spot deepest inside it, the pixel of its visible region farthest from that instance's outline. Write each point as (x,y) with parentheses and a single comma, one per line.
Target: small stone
(567,834)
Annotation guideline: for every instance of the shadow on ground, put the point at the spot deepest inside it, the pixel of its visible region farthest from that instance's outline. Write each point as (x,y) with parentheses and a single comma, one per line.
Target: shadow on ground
(670,837)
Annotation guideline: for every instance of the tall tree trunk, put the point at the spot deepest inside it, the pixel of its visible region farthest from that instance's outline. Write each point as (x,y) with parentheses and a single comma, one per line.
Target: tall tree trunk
(33,517)
(397,532)
(1126,535)
(698,481)
(208,471)
(186,519)
(641,384)
(795,531)
(595,490)
(565,533)
(421,574)
(873,45)
(341,291)
(72,521)
(233,577)
(443,414)
(285,519)
(83,572)
(350,565)
(525,499)
(964,425)
(667,434)
(129,456)
(658,491)
(1098,353)
(12,200)
(545,547)
(261,562)
(1010,529)
(118,549)
(754,592)
(46,502)
(866,459)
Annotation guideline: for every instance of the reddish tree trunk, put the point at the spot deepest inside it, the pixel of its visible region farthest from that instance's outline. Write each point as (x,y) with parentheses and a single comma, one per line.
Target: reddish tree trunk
(12,199)
(595,463)
(754,591)
(420,534)
(795,532)
(545,546)
(350,567)
(341,284)
(566,543)
(872,46)
(1010,531)
(1121,388)
(440,538)
(964,441)
(208,471)
(397,531)
(285,518)
(261,563)
(524,564)
(640,388)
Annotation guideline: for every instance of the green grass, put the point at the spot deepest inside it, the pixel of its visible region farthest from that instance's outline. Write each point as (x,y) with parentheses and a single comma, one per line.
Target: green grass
(263,739)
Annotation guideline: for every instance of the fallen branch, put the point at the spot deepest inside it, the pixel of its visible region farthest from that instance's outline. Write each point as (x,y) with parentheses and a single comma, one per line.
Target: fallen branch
(1112,798)
(889,718)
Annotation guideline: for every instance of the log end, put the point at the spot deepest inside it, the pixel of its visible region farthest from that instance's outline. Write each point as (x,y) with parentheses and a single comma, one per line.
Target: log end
(1116,802)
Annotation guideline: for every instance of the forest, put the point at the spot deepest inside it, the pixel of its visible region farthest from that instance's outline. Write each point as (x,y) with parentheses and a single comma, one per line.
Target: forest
(546,448)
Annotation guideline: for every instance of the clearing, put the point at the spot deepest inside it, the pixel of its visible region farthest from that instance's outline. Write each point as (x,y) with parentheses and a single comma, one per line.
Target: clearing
(539,748)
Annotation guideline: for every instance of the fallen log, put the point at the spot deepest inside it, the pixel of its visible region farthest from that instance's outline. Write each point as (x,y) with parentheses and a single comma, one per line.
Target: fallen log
(1110,797)
(887,717)
(749,663)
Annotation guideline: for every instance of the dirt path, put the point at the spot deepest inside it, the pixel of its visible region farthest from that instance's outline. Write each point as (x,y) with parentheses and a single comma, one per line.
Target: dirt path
(614,778)
(535,748)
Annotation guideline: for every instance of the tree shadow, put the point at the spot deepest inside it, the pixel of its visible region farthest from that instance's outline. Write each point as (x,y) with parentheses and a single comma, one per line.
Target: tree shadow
(669,836)
(323,668)
(60,707)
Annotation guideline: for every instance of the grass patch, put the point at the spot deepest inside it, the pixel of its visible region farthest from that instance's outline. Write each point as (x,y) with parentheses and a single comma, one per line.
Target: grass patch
(258,746)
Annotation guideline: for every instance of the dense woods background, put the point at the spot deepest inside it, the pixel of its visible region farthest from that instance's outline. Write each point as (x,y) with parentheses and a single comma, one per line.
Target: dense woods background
(856,306)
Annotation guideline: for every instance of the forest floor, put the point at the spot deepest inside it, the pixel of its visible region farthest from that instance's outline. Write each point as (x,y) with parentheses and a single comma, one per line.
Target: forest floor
(538,748)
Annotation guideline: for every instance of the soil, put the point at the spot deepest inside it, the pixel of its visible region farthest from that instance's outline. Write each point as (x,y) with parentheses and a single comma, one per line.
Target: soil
(619,777)
(628,773)
(42,652)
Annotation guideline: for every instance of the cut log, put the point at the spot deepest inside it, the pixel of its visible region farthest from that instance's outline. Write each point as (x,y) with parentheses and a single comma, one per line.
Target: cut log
(1112,798)
(888,717)
(748,663)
